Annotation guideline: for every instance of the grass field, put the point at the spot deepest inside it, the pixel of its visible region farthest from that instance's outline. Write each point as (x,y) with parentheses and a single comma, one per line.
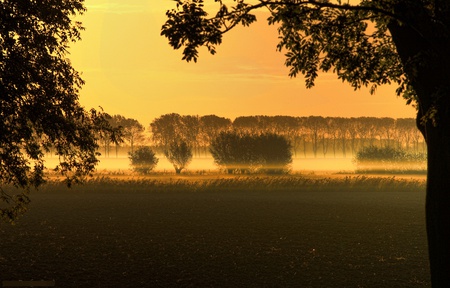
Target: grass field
(222,232)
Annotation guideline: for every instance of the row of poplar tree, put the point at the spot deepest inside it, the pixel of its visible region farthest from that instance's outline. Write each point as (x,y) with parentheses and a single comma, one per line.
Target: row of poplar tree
(309,136)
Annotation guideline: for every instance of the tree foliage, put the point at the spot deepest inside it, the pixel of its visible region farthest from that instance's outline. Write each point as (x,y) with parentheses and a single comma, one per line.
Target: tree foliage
(194,130)
(389,159)
(143,160)
(179,154)
(39,108)
(132,130)
(351,41)
(387,155)
(233,151)
(275,153)
(312,134)
(246,153)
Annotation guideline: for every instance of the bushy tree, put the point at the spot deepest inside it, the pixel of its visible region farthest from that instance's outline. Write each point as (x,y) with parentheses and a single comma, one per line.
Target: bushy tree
(366,44)
(179,154)
(223,149)
(233,151)
(39,100)
(275,153)
(143,160)
(246,153)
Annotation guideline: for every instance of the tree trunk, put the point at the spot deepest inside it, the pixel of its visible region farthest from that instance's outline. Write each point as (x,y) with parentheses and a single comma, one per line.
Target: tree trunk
(430,78)
(438,202)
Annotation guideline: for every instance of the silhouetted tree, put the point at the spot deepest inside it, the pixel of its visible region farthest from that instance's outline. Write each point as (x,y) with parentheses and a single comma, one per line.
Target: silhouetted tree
(174,127)
(116,122)
(247,124)
(190,131)
(166,129)
(352,134)
(179,154)
(143,160)
(315,125)
(405,127)
(386,126)
(211,126)
(274,152)
(333,133)
(233,151)
(289,127)
(39,107)
(362,129)
(372,43)
(343,133)
(245,153)
(132,130)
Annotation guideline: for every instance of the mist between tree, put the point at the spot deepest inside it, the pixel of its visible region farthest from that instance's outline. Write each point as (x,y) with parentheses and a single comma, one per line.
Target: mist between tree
(317,143)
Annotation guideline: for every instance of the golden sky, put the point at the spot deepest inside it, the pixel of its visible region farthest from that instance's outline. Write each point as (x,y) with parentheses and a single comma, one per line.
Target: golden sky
(131,70)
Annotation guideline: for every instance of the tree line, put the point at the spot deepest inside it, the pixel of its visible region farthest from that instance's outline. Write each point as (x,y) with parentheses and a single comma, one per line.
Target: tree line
(314,135)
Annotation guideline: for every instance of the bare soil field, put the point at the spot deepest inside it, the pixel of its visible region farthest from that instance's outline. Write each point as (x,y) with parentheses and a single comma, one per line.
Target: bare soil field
(223,232)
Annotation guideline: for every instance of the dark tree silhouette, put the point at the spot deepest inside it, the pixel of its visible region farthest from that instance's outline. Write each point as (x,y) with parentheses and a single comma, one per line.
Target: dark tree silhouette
(211,126)
(179,154)
(245,152)
(39,107)
(233,151)
(132,130)
(372,43)
(143,160)
(275,153)
(166,129)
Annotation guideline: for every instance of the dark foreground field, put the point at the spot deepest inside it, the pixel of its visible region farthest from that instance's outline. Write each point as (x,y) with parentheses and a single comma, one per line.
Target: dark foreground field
(258,232)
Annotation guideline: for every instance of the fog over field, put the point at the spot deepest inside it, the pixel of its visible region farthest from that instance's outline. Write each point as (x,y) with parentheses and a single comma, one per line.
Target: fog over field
(122,163)
(206,163)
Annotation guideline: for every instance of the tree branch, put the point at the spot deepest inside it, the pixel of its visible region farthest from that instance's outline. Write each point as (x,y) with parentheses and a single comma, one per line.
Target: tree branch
(348,7)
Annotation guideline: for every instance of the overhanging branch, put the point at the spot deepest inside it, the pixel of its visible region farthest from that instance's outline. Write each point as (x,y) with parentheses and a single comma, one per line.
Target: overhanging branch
(345,7)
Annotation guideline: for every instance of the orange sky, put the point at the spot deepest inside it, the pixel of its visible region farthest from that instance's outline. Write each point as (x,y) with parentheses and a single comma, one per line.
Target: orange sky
(130,70)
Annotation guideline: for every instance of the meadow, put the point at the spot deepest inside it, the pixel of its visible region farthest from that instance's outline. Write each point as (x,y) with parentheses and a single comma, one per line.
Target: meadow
(222,231)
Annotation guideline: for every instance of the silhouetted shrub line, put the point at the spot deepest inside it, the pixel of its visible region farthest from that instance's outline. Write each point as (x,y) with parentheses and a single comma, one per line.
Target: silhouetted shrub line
(374,159)
(388,154)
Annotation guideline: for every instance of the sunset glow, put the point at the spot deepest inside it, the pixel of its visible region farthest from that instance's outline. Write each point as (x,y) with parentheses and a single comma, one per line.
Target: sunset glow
(131,70)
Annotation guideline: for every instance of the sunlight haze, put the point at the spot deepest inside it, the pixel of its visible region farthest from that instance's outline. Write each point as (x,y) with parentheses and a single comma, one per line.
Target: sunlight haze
(131,70)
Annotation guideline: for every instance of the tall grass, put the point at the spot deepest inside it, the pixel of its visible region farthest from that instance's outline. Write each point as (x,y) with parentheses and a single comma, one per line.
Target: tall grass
(245,183)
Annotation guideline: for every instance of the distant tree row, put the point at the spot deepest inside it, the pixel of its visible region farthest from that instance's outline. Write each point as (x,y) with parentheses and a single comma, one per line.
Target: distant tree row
(314,135)
(332,135)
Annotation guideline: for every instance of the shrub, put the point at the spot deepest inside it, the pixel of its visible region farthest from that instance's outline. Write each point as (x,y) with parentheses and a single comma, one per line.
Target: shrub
(232,151)
(388,158)
(275,153)
(143,160)
(246,153)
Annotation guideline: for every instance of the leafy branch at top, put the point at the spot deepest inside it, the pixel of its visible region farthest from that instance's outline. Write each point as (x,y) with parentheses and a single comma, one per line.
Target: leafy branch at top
(349,40)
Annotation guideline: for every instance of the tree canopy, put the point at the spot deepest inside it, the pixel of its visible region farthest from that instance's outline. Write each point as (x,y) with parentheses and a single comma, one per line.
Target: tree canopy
(349,40)
(404,42)
(39,99)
